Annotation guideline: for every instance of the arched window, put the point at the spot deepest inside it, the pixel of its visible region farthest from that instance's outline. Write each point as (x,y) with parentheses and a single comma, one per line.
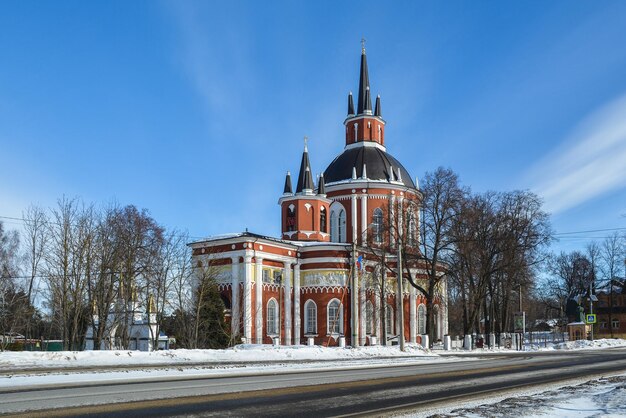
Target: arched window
(342,225)
(334,226)
(389,319)
(337,223)
(412,229)
(334,317)
(291,218)
(377,225)
(323,219)
(421,319)
(369,318)
(272,317)
(310,317)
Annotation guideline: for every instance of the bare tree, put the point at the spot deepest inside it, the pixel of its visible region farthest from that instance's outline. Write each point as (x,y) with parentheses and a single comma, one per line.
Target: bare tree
(441,204)
(139,239)
(12,298)
(67,268)
(612,252)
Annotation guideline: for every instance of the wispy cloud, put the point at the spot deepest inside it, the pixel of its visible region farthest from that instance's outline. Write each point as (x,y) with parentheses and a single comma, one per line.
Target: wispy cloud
(214,57)
(591,162)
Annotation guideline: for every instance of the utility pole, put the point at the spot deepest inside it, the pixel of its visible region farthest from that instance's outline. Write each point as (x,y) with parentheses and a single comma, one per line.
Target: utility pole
(590,307)
(354,307)
(399,297)
(523,318)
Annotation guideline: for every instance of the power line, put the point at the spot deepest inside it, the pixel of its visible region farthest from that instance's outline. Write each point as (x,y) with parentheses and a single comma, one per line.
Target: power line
(557,235)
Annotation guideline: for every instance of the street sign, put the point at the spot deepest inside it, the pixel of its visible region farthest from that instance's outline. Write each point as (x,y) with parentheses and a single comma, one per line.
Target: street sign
(590,318)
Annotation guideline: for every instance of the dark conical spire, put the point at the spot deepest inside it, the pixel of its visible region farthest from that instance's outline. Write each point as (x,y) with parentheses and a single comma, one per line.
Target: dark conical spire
(321,186)
(365,103)
(350,105)
(305,179)
(288,189)
(377,109)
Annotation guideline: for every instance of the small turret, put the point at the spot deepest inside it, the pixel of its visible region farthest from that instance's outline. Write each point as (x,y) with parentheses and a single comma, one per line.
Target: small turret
(321,190)
(288,190)
(350,105)
(378,110)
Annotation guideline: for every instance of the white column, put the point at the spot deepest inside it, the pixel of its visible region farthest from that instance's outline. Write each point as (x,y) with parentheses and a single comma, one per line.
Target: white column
(354,305)
(296,304)
(400,215)
(287,310)
(354,226)
(364,219)
(247,295)
(377,315)
(392,217)
(362,318)
(412,314)
(258,328)
(444,306)
(234,308)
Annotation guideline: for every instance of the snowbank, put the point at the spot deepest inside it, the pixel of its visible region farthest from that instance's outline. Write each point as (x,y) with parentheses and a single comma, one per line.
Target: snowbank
(582,345)
(245,353)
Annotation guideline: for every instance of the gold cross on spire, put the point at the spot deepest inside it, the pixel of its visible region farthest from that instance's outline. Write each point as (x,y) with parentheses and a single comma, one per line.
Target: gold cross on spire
(362,45)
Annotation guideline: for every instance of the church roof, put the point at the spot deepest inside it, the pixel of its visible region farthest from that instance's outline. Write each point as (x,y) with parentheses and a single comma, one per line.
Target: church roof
(379,166)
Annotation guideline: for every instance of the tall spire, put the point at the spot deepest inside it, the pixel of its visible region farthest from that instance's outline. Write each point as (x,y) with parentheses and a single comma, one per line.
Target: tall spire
(305,178)
(365,102)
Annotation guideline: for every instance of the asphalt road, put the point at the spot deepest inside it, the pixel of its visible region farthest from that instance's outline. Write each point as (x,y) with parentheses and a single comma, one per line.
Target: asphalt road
(352,392)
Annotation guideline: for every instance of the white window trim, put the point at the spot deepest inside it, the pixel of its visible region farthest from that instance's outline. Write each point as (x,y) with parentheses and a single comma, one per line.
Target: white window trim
(377,227)
(389,320)
(369,322)
(276,318)
(340,319)
(306,318)
(421,322)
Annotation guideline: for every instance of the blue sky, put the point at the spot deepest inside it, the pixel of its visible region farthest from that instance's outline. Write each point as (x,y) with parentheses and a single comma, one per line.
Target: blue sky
(195,110)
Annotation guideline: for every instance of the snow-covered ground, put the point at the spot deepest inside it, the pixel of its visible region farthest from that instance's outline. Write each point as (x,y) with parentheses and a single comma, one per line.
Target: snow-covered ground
(245,353)
(247,359)
(580,345)
(603,397)
(550,346)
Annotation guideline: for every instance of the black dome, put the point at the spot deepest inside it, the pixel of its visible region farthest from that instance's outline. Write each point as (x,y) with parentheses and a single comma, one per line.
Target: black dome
(378,164)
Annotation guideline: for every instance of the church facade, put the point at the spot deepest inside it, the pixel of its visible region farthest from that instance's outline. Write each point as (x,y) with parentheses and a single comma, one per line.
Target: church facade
(331,277)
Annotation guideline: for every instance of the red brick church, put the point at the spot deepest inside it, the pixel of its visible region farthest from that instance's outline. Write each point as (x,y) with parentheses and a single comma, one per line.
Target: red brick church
(320,281)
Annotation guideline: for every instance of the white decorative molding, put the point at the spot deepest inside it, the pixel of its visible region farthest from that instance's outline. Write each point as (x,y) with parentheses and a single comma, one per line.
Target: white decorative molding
(324,279)
(272,287)
(324,289)
(372,144)
(325,260)
(307,206)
